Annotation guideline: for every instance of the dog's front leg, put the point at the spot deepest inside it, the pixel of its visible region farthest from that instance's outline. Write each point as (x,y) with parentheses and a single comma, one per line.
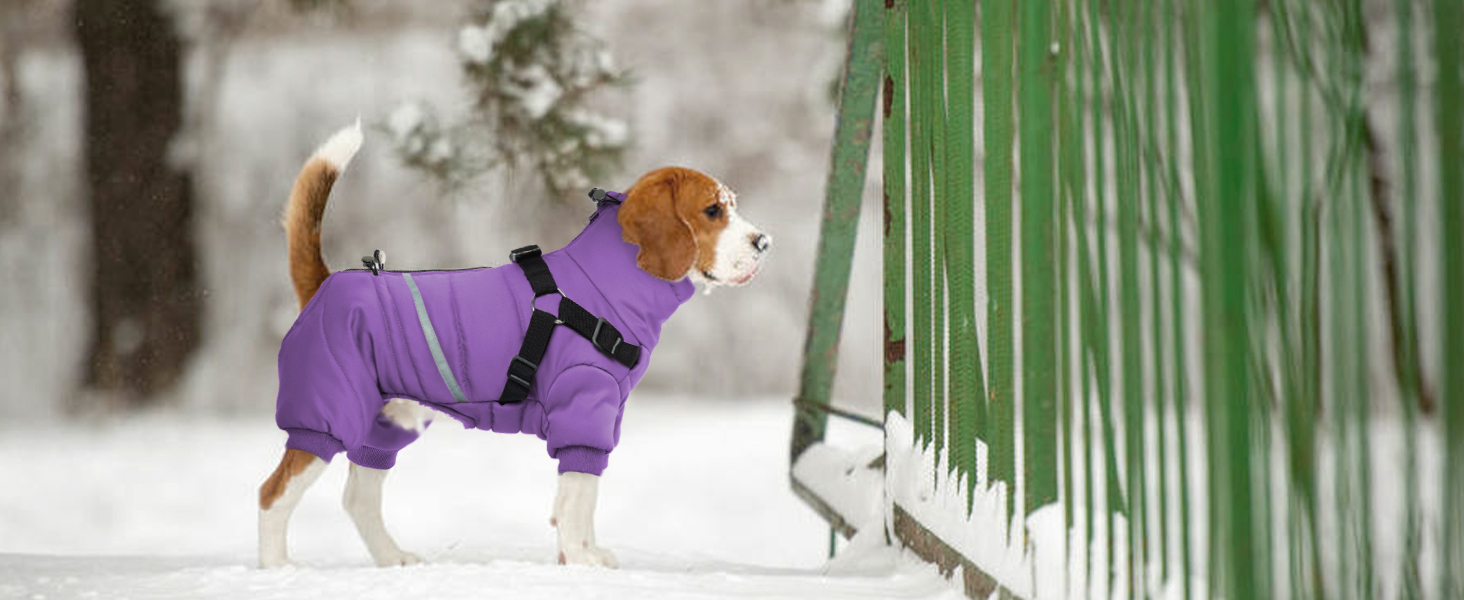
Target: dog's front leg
(574,518)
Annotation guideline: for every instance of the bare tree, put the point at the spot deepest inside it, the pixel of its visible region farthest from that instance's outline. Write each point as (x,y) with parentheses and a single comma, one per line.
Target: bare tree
(144,288)
(10,106)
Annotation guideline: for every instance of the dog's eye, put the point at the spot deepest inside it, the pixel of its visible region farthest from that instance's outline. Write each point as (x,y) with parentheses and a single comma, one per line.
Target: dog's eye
(713,212)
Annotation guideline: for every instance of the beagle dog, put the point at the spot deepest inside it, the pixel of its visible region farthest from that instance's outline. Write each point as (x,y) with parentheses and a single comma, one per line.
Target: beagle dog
(375,355)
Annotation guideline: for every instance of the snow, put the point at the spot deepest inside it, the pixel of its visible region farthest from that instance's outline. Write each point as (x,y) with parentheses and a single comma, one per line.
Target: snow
(695,504)
(603,131)
(537,90)
(406,119)
(475,44)
(938,500)
(844,480)
(508,14)
(104,578)
(478,42)
(1055,563)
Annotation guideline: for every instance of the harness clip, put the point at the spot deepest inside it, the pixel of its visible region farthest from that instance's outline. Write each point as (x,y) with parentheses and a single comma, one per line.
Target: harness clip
(601,196)
(525,252)
(519,380)
(376,262)
(595,338)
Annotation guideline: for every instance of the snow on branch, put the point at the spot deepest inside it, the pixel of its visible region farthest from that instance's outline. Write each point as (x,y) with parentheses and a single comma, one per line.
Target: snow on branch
(533,75)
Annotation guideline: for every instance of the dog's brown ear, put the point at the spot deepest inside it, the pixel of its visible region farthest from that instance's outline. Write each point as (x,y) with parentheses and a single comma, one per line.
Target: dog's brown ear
(650,220)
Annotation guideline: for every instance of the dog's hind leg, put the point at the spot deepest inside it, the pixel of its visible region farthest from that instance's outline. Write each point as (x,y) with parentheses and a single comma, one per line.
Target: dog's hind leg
(277,500)
(363,503)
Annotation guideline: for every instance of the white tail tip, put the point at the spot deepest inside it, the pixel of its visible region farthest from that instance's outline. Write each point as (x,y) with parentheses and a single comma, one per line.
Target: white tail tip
(341,147)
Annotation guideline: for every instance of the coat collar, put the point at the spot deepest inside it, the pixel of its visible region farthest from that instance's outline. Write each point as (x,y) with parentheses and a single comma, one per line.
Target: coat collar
(610,264)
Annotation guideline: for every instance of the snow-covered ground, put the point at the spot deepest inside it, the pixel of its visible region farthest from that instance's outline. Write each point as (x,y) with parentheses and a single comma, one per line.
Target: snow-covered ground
(695,504)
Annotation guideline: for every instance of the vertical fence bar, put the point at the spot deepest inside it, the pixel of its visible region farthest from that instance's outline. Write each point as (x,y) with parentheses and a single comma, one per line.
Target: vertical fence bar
(1226,217)
(1127,220)
(1197,85)
(1281,206)
(1087,301)
(1100,341)
(1305,461)
(1340,392)
(894,207)
(1039,345)
(998,139)
(1409,387)
(1068,140)
(1152,166)
(1355,48)
(939,154)
(1177,293)
(1449,123)
(968,394)
(1265,300)
(1343,338)
(844,190)
(920,251)
(1273,338)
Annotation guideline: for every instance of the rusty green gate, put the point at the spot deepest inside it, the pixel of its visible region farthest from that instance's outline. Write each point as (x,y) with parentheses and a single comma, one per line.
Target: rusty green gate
(1174,296)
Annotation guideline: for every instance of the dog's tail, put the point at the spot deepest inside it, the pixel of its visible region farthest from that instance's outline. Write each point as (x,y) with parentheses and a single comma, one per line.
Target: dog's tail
(306,207)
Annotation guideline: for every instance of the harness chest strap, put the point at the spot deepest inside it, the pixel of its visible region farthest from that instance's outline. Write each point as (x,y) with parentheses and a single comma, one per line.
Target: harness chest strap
(603,335)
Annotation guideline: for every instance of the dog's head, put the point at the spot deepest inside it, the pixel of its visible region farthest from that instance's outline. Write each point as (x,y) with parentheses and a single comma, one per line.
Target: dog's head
(686,224)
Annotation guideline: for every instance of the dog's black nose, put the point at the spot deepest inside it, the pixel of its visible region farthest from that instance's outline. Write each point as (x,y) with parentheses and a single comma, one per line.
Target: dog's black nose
(761,242)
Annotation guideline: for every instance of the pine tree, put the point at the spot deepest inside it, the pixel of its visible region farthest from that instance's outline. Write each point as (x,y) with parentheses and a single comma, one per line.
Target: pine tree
(534,74)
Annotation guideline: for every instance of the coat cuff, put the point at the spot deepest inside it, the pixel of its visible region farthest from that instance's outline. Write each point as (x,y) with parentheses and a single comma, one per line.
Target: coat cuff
(582,459)
(320,444)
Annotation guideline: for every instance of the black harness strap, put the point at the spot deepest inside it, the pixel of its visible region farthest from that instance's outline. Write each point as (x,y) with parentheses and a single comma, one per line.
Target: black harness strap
(600,332)
(521,369)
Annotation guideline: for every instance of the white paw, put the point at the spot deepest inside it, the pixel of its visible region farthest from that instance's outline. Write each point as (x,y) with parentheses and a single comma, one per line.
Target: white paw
(400,558)
(586,554)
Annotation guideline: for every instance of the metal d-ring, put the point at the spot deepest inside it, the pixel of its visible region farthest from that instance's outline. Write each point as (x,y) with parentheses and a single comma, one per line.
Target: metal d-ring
(562,296)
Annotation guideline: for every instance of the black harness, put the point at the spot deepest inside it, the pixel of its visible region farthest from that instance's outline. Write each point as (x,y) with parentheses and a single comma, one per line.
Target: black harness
(602,335)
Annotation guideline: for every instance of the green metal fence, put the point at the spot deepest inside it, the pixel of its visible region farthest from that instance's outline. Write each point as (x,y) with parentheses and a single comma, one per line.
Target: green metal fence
(1174,293)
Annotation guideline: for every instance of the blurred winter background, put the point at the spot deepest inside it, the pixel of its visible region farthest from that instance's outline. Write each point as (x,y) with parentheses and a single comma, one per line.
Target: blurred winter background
(741,90)
(147,148)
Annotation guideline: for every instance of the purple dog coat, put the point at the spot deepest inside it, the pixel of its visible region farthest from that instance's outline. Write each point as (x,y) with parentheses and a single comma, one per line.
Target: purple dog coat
(361,341)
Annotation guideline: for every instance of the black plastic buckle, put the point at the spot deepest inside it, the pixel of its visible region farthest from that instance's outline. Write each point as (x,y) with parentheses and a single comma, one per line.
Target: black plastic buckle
(601,196)
(519,380)
(529,251)
(595,338)
(376,262)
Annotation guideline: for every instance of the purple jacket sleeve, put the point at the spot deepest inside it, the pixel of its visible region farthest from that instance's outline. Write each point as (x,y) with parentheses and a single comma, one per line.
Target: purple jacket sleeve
(582,405)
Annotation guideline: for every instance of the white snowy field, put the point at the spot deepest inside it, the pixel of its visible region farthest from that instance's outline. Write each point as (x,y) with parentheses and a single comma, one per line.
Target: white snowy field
(695,504)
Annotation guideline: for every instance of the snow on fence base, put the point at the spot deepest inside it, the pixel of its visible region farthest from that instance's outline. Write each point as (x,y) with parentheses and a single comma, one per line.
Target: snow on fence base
(925,512)
(939,528)
(928,546)
(845,487)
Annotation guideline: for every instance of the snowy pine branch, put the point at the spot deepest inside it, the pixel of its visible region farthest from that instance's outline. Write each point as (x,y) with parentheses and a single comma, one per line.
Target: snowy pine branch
(534,76)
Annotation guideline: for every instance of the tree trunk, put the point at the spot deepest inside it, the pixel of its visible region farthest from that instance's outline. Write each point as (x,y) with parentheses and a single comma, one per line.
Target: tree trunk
(10,113)
(144,292)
